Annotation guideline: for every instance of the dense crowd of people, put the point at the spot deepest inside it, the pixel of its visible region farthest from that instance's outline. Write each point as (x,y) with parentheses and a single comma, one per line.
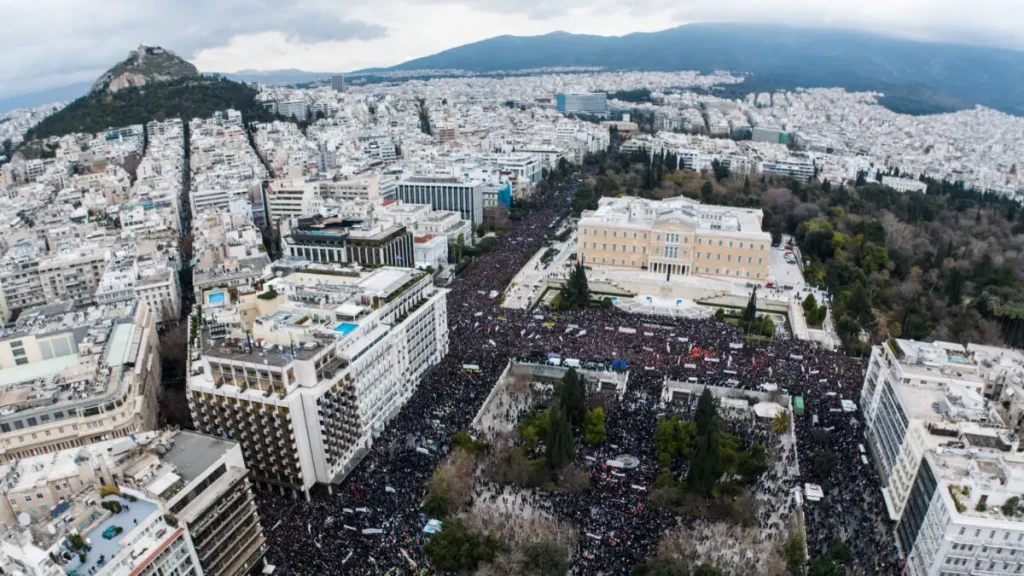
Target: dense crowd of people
(372,523)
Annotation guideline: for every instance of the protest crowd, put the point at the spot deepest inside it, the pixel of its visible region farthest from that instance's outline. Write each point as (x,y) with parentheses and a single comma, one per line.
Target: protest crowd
(617,525)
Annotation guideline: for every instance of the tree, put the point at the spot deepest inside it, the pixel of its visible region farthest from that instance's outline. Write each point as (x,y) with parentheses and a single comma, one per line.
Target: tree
(794,552)
(438,504)
(719,314)
(706,466)
(594,431)
(7,148)
(750,312)
(454,549)
(575,293)
(545,558)
(705,570)
(706,412)
(560,447)
(572,395)
(707,191)
(781,422)
(752,463)
(810,303)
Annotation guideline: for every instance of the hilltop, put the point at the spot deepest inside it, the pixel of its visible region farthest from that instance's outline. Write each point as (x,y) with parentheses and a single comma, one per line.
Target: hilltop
(143,66)
(917,76)
(151,84)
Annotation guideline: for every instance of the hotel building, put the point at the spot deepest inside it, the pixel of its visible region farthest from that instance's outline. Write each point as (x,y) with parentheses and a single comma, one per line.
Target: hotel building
(313,380)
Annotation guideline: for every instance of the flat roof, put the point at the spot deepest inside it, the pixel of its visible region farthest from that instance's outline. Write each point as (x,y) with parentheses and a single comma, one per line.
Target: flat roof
(36,370)
(193,453)
(120,340)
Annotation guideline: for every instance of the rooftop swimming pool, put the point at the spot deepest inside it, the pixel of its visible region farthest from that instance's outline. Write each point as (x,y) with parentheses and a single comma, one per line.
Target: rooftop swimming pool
(345,328)
(215,298)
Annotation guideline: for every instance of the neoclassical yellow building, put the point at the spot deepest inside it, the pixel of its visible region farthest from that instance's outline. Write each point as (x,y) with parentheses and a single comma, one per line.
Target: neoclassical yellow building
(675,236)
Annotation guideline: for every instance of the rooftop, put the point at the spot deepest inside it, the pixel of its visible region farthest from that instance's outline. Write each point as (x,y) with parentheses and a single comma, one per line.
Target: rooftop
(192,454)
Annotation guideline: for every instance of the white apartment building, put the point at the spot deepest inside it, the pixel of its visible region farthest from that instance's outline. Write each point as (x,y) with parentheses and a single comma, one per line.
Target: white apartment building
(316,378)
(297,108)
(917,396)
(964,515)
(161,292)
(187,508)
(289,198)
(801,169)
(422,220)
(371,186)
(75,376)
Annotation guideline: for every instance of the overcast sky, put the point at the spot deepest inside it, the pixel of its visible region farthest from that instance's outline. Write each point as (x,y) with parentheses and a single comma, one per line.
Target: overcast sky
(51,43)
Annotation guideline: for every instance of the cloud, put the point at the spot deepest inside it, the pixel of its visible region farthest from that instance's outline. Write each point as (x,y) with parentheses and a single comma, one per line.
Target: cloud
(59,42)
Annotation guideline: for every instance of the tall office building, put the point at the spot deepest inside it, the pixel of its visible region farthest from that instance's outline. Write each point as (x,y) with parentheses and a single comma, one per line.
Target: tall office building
(951,471)
(338,83)
(588,103)
(307,385)
(444,193)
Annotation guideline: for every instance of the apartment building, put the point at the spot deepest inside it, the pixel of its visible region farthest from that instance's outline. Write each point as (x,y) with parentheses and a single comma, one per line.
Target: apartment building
(314,381)
(341,241)
(186,503)
(444,193)
(964,515)
(422,220)
(371,186)
(675,237)
(920,395)
(75,376)
(288,198)
(72,275)
(19,278)
(802,169)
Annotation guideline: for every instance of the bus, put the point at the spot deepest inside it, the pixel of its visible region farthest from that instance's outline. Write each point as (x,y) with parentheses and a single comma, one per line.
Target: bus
(471,368)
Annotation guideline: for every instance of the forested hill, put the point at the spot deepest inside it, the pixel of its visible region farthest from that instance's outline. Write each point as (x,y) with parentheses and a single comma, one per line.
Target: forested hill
(184,98)
(947,264)
(923,76)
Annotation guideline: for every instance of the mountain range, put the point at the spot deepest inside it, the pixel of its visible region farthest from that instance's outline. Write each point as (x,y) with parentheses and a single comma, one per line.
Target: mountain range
(954,75)
(917,77)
